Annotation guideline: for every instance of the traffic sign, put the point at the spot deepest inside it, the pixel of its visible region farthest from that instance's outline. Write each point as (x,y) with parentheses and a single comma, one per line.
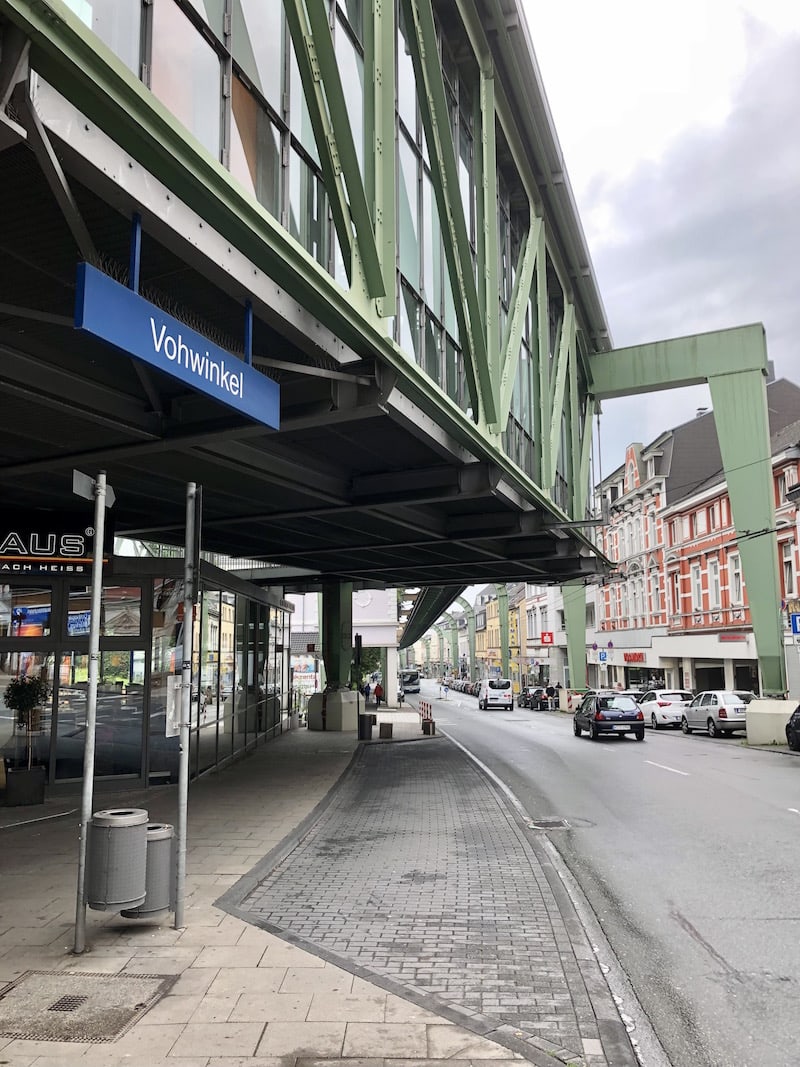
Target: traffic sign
(795,619)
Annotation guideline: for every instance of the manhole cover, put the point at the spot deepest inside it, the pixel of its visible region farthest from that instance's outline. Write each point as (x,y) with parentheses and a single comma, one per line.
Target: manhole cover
(548,824)
(56,1006)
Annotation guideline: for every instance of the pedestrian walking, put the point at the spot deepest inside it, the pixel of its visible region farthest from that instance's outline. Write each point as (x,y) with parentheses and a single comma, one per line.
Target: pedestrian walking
(550,692)
(378,694)
(367,691)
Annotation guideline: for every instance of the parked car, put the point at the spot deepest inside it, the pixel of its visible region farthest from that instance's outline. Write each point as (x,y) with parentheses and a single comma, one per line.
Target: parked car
(495,693)
(608,713)
(793,730)
(530,696)
(664,707)
(718,711)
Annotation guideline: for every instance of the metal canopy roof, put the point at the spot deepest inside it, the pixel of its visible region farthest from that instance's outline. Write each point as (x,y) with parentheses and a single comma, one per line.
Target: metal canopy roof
(358,484)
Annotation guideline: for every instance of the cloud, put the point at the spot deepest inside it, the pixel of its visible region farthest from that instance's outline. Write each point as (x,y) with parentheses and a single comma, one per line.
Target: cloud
(706,237)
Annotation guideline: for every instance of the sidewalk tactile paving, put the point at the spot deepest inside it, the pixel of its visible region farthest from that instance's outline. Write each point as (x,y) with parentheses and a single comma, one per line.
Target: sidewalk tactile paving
(418,875)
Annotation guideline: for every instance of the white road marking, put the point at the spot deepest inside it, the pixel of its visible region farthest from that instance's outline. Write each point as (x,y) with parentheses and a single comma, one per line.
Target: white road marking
(665,768)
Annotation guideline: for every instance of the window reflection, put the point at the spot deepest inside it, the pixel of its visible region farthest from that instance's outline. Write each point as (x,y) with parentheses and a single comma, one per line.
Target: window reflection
(14,733)
(258,43)
(117,23)
(120,611)
(25,610)
(255,149)
(308,209)
(185,74)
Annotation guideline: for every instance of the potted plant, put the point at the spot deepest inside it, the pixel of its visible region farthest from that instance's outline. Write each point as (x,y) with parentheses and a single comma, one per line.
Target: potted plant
(24,695)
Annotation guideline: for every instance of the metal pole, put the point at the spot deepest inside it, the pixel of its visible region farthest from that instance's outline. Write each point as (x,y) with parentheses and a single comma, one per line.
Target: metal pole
(189,572)
(91,707)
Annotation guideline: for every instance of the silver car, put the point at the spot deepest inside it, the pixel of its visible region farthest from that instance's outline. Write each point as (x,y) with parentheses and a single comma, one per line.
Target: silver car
(718,711)
(664,707)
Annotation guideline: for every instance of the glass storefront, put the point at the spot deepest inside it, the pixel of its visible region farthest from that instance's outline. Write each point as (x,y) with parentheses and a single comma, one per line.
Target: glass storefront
(240,671)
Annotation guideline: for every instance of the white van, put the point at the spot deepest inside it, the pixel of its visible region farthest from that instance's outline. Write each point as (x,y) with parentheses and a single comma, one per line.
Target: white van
(495,693)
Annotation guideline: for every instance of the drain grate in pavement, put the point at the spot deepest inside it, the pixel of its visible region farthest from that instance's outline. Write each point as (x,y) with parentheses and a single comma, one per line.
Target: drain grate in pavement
(548,824)
(59,1006)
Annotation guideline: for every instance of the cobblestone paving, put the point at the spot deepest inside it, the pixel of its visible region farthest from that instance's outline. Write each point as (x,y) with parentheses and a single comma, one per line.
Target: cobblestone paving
(418,873)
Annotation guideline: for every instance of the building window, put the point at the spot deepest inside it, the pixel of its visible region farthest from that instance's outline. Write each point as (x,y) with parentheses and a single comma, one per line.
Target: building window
(735,577)
(787,567)
(697,588)
(675,587)
(713,583)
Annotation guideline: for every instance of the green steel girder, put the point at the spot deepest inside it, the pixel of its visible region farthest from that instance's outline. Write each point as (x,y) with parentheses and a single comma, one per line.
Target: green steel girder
(444,174)
(510,348)
(580,485)
(487,247)
(558,385)
(502,612)
(543,413)
(469,612)
(734,363)
(380,162)
(574,599)
(343,146)
(308,65)
(452,633)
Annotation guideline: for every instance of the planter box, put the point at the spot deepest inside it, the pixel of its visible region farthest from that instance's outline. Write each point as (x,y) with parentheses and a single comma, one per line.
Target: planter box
(24,787)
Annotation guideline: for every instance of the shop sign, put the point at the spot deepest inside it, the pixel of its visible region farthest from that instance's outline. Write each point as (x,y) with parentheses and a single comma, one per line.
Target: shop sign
(45,543)
(547,637)
(732,637)
(119,316)
(633,657)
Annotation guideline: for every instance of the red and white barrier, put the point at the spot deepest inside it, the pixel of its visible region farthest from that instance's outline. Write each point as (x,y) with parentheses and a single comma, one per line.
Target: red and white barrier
(425,709)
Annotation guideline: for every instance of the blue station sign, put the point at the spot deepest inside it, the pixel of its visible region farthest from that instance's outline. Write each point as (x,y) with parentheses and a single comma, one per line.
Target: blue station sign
(119,316)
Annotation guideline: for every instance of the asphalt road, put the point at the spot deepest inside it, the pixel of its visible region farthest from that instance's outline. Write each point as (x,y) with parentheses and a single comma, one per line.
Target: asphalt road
(688,851)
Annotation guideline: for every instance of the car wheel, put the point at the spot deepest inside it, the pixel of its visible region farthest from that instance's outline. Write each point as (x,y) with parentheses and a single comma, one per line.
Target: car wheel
(576,729)
(685,725)
(594,733)
(654,721)
(712,729)
(481,705)
(639,734)
(794,742)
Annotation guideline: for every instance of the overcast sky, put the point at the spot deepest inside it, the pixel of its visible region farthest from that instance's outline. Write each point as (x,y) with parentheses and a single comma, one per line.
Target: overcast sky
(680,127)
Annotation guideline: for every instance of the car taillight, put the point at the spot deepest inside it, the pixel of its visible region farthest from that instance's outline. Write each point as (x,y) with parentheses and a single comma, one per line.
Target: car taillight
(663,703)
(599,716)
(723,714)
(640,715)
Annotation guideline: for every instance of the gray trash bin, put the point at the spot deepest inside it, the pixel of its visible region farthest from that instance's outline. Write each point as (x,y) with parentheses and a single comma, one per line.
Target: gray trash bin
(117,859)
(160,879)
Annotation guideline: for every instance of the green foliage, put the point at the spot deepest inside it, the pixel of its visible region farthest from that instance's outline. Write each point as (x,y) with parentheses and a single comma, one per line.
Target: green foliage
(24,693)
(370,661)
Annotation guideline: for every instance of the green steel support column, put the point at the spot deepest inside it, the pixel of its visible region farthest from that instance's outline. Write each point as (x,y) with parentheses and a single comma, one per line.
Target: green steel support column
(427,656)
(440,644)
(574,594)
(470,614)
(740,415)
(380,162)
(580,487)
(444,174)
(452,634)
(308,66)
(344,146)
(336,627)
(558,386)
(488,266)
(520,298)
(541,407)
(575,455)
(502,612)
(734,363)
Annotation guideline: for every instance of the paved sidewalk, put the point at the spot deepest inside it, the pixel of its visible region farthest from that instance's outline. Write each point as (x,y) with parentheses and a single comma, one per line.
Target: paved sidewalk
(374,904)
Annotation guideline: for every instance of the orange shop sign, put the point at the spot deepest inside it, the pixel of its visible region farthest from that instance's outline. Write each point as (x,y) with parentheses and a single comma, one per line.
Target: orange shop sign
(633,657)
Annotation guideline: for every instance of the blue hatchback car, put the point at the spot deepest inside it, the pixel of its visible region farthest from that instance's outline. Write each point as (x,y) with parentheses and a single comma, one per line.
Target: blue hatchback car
(609,713)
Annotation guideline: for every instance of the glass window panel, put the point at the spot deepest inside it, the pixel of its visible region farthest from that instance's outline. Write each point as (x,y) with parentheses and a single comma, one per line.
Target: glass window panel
(255,159)
(433,357)
(25,610)
(465,181)
(406,82)
(258,44)
(408,221)
(228,676)
(119,717)
(453,372)
(450,320)
(299,119)
(118,24)
(432,247)
(354,11)
(185,74)
(409,324)
(212,12)
(351,71)
(308,209)
(120,611)
(17,741)
(207,694)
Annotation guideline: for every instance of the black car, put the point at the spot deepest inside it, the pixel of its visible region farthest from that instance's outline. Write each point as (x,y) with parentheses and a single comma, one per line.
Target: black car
(609,713)
(793,730)
(529,696)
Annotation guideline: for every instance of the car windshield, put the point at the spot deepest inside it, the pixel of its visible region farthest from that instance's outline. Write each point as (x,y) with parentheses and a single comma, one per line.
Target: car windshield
(499,683)
(617,703)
